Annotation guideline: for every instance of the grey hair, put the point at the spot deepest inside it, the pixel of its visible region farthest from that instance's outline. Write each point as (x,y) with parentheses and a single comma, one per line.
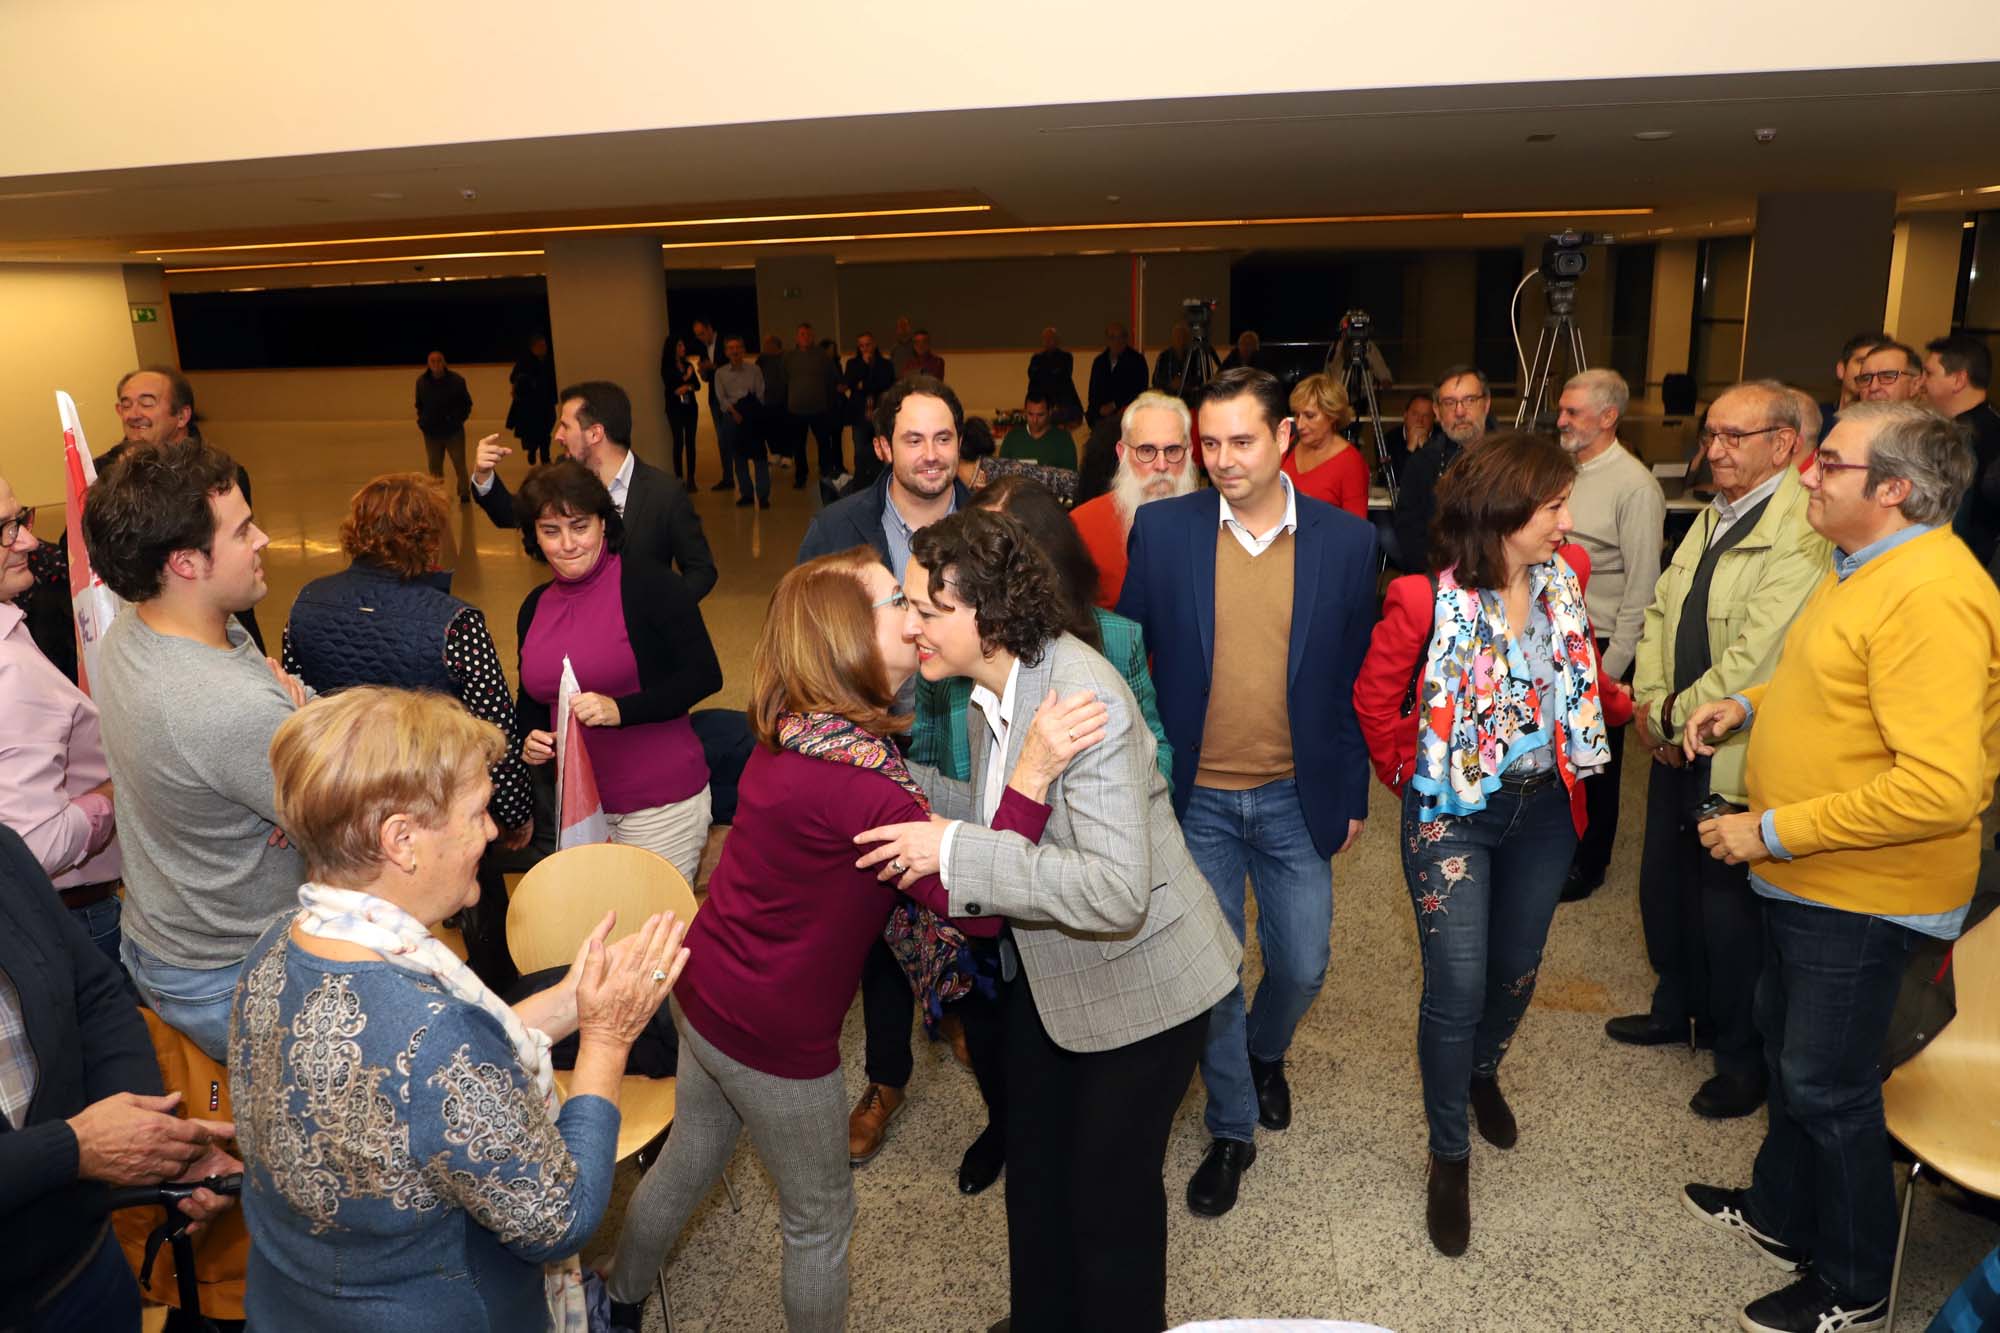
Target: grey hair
(1812,423)
(1779,404)
(1607,388)
(1161,402)
(1916,445)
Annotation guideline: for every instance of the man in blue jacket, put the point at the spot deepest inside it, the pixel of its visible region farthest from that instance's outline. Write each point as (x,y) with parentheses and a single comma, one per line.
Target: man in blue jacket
(1257,603)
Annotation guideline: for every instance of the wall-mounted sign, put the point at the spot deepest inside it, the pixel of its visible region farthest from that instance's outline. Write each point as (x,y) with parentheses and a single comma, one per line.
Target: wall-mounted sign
(145,314)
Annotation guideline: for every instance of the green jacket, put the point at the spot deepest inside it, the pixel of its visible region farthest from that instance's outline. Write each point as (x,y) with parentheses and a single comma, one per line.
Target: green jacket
(938,738)
(1759,586)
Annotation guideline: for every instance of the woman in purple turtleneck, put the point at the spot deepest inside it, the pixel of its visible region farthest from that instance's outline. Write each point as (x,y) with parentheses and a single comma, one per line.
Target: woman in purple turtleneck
(775,954)
(634,636)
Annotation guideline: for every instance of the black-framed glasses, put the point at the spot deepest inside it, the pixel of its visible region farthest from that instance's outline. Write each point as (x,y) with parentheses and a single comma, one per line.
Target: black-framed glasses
(895,599)
(1820,463)
(1733,438)
(1147,453)
(10,528)
(1886,378)
(1470,400)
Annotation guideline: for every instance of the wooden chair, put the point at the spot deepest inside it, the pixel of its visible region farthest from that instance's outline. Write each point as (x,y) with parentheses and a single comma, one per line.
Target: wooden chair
(1943,1104)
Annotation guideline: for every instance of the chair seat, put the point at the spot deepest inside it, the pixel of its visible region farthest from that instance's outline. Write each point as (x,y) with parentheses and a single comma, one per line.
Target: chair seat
(1941,1106)
(645,1107)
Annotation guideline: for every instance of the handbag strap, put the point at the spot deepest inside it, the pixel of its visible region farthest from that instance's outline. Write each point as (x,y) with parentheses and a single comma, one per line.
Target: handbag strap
(1417,671)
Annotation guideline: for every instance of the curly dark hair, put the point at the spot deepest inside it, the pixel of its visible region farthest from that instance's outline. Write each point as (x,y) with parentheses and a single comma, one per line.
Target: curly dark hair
(1035,507)
(1489,492)
(568,488)
(991,564)
(149,504)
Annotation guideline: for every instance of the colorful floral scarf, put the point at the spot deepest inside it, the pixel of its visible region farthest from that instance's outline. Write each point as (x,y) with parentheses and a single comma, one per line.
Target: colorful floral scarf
(933,954)
(1480,708)
(376,923)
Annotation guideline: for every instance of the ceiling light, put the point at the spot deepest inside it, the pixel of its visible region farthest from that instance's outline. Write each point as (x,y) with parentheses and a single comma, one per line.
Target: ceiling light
(380,259)
(580,227)
(385,194)
(1653,136)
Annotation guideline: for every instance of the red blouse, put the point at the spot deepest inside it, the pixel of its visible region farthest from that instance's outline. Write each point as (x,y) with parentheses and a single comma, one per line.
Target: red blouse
(1341,481)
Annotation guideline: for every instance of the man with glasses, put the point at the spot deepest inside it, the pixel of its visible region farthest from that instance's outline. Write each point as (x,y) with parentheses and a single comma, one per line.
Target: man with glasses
(1872,753)
(1890,373)
(1463,400)
(1712,629)
(1155,462)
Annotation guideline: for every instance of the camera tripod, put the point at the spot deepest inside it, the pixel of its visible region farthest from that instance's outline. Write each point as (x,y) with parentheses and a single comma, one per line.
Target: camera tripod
(1353,353)
(1541,387)
(1201,365)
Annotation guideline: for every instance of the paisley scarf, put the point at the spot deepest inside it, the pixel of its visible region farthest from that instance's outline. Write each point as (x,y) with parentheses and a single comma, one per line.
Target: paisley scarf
(1480,708)
(375,923)
(933,954)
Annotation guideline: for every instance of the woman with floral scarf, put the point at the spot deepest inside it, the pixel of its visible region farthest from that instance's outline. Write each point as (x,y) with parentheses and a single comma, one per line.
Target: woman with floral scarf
(1480,701)
(778,947)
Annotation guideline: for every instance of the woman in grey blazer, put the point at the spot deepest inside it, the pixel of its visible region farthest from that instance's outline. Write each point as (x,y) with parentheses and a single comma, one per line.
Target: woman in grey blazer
(1114,948)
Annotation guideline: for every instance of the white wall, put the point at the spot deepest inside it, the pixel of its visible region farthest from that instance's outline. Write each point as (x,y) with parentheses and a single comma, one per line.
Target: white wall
(62,326)
(256,79)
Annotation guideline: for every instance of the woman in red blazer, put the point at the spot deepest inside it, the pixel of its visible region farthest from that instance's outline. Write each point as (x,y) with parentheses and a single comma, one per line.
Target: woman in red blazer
(1480,703)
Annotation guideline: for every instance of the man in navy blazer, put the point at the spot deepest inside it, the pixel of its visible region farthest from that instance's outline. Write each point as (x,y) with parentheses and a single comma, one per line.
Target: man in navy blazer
(1257,603)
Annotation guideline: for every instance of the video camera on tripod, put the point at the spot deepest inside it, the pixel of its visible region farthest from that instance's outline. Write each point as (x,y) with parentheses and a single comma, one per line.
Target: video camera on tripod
(1202,364)
(1353,357)
(1564,260)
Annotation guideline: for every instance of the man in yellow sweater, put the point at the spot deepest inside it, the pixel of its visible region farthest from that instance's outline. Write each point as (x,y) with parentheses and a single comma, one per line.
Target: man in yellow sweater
(1875,749)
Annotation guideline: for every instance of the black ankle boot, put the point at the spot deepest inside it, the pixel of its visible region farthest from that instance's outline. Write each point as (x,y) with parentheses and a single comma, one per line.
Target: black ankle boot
(1448,1205)
(1492,1115)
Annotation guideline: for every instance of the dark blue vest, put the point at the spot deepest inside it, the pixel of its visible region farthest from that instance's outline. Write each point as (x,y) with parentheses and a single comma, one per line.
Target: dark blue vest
(368,626)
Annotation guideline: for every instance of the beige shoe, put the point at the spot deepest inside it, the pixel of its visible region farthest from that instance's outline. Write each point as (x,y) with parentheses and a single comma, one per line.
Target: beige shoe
(868,1124)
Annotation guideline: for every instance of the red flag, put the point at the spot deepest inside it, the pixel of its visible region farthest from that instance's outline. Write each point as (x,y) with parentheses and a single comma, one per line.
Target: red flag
(94,604)
(579,809)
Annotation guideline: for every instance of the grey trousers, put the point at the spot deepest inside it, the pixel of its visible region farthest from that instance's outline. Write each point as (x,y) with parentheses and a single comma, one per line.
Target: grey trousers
(436,447)
(799,1128)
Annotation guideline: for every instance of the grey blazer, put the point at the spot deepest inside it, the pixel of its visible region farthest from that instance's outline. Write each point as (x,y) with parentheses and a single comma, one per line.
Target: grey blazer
(1117,929)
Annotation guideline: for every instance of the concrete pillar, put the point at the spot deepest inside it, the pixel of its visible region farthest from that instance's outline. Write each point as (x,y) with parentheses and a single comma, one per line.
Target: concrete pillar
(608,319)
(1819,272)
(798,289)
(152,340)
(1923,276)
(1672,323)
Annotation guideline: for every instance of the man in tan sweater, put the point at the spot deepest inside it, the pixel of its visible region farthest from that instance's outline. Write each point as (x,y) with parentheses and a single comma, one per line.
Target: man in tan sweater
(1257,604)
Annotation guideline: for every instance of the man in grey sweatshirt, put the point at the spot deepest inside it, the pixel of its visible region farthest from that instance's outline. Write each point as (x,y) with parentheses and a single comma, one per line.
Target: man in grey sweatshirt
(188,705)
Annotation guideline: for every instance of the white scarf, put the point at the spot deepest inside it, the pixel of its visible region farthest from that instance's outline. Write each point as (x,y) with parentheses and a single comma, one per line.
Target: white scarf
(375,923)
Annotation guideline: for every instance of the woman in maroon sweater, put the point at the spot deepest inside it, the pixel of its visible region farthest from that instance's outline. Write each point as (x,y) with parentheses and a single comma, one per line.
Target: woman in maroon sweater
(775,954)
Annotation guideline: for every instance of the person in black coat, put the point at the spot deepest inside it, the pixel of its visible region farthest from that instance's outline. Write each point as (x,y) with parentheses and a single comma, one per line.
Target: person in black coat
(532,416)
(680,374)
(1117,376)
(1052,373)
(443,404)
(82,1113)
(595,428)
(1463,403)
(869,375)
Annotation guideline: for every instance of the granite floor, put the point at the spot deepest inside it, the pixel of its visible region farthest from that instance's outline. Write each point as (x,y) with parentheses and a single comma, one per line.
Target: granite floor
(1578,1227)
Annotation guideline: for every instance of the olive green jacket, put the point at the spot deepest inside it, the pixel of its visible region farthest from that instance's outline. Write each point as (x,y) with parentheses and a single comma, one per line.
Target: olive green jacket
(1758,587)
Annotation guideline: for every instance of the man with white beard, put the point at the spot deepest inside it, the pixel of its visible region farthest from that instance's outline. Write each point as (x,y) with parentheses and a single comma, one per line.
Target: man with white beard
(1154,463)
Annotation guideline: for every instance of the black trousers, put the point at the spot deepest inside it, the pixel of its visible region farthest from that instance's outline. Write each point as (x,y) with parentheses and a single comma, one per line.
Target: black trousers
(1704,927)
(1600,800)
(985,1021)
(887,1009)
(681,422)
(1086,1149)
(825,428)
(486,929)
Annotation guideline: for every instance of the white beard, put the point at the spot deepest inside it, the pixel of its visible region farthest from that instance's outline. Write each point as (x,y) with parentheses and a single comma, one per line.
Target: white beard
(1130,489)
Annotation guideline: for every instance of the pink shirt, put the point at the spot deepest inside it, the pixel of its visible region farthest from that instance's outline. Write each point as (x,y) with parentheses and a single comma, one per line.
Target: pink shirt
(51,755)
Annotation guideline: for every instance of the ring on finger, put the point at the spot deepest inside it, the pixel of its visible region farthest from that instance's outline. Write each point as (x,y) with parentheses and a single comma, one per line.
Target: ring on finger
(898,867)
(659,974)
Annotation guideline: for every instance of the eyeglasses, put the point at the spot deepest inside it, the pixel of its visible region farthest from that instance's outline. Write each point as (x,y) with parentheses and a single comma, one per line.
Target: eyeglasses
(1733,439)
(1886,378)
(895,599)
(1453,404)
(1820,463)
(10,528)
(1146,453)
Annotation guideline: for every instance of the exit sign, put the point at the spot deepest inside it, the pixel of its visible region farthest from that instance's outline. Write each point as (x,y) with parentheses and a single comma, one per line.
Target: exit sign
(145,314)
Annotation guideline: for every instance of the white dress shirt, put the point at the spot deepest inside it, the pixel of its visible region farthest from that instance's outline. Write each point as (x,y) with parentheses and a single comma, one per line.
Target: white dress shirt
(1258,543)
(621,483)
(999,715)
(1727,511)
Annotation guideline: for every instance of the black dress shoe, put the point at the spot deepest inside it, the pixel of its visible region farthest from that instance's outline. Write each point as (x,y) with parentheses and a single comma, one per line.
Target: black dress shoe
(1727,1096)
(1274,1095)
(1578,887)
(1211,1191)
(981,1164)
(1448,1205)
(1492,1115)
(1644,1030)
(744,502)
(724,485)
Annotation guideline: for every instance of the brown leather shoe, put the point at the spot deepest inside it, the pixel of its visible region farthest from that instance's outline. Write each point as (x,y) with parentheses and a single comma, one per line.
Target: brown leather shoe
(954,1032)
(1448,1205)
(868,1124)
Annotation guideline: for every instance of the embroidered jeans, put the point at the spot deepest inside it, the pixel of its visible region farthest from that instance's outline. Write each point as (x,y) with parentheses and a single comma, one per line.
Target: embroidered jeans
(1484,887)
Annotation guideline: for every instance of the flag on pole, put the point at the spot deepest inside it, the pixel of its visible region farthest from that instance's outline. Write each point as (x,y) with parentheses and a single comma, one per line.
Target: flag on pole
(94,604)
(579,809)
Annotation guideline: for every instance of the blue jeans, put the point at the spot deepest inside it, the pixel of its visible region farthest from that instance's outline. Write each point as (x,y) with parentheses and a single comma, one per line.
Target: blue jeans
(100,922)
(192,1001)
(102,1296)
(1484,887)
(1260,833)
(1823,1182)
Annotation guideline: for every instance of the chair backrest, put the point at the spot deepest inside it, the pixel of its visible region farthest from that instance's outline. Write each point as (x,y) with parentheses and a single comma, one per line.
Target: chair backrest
(1975,974)
(559,902)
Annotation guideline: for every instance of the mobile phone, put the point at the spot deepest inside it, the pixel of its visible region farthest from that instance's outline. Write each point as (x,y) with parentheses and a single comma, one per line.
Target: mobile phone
(1712,807)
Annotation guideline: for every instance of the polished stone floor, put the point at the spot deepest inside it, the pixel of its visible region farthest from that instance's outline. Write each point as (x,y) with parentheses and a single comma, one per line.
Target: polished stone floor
(1578,1227)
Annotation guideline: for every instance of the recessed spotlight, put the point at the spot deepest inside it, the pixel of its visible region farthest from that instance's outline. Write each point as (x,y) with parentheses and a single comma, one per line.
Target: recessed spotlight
(1110,198)
(1653,136)
(1542,136)
(1764,135)
(385,194)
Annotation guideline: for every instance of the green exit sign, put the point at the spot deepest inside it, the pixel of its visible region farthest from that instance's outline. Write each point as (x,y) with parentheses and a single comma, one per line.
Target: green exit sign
(145,314)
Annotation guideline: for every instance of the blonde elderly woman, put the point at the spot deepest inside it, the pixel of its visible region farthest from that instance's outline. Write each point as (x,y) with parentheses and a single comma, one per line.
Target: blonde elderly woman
(407,1165)
(1322,463)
